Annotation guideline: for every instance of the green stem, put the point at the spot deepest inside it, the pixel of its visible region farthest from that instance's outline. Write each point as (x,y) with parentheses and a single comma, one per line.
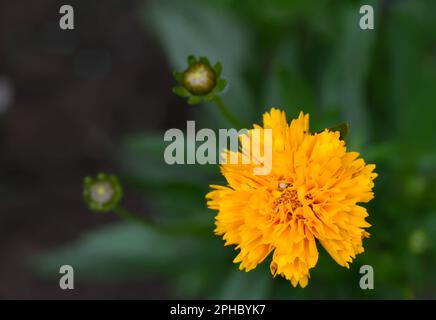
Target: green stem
(130,216)
(227,114)
(133,217)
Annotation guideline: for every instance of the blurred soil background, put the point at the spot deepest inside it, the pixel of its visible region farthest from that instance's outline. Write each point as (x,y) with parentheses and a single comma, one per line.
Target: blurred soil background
(66,98)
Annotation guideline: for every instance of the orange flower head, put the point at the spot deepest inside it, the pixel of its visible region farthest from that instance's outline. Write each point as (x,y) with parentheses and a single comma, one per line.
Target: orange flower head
(312,193)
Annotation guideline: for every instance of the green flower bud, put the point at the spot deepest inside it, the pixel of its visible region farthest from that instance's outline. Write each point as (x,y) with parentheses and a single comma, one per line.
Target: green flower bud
(103,193)
(200,81)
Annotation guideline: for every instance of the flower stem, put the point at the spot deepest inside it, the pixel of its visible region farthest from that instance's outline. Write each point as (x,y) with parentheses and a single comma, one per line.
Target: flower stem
(226,113)
(130,216)
(133,217)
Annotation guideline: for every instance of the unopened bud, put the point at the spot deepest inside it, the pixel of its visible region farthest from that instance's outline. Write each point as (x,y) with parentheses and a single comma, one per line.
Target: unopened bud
(103,193)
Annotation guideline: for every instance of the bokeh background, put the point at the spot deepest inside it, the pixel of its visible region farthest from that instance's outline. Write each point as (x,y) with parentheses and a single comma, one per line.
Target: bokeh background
(73,103)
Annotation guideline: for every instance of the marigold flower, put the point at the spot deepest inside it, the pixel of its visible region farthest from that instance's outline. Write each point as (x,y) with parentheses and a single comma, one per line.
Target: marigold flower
(312,193)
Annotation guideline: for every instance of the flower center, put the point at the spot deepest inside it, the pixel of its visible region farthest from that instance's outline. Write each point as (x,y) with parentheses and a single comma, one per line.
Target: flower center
(199,79)
(102,192)
(288,201)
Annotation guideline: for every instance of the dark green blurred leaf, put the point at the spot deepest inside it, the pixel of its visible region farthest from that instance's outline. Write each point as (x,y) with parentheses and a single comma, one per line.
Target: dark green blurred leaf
(142,156)
(253,285)
(410,95)
(346,71)
(286,87)
(123,251)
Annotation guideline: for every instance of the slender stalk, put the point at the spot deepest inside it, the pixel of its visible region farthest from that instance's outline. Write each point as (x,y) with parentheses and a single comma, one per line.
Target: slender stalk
(227,114)
(130,216)
(133,217)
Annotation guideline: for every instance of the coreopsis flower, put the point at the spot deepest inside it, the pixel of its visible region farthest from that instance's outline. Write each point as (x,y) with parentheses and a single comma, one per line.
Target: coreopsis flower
(103,193)
(311,196)
(200,81)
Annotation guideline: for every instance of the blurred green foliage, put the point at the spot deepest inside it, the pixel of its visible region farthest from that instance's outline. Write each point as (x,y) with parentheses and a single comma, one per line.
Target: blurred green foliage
(295,55)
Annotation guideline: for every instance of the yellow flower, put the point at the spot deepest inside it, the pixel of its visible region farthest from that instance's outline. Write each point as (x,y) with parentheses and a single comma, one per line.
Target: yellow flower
(312,193)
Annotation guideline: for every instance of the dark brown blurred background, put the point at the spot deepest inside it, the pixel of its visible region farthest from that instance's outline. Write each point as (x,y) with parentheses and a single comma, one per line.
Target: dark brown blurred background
(66,98)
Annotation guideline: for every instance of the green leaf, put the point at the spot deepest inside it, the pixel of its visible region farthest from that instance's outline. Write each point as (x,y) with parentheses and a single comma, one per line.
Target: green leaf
(194,100)
(346,72)
(409,94)
(255,284)
(209,97)
(120,251)
(178,191)
(191,60)
(204,60)
(178,76)
(286,85)
(127,251)
(142,159)
(221,85)
(181,92)
(218,67)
